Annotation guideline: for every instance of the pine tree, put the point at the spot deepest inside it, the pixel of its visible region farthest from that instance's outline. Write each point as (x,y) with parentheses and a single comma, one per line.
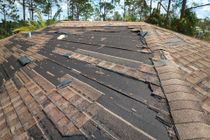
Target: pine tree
(8,10)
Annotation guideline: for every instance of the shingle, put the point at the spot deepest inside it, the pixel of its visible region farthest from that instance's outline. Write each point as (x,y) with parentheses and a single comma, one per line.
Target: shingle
(193,131)
(179,105)
(206,104)
(181,96)
(170,75)
(175,82)
(183,78)
(55,114)
(187,116)
(176,88)
(67,93)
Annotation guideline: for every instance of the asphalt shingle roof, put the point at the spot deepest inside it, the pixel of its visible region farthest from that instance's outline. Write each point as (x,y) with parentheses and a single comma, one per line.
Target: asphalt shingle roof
(118,86)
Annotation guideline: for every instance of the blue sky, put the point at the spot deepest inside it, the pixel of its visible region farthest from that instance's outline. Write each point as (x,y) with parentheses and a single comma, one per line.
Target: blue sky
(201,12)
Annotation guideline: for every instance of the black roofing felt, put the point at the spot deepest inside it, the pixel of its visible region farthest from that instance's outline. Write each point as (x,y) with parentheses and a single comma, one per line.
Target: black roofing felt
(119,42)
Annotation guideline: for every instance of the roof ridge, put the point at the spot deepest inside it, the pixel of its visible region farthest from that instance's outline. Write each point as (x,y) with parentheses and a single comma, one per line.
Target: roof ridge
(186,121)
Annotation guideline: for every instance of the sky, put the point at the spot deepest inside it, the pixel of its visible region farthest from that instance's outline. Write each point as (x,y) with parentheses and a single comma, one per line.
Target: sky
(202,12)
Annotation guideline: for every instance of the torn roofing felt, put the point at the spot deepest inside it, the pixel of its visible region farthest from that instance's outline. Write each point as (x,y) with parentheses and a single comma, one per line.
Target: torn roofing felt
(99,81)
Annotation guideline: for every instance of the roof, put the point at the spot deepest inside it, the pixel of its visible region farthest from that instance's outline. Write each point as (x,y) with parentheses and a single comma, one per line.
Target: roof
(104,80)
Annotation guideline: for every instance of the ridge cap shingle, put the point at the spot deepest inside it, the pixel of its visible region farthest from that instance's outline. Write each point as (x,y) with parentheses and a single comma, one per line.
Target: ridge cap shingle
(190,120)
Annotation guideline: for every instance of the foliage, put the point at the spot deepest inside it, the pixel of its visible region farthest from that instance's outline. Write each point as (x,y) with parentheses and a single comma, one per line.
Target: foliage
(96,13)
(203,30)
(136,10)
(79,9)
(156,18)
(11,25)
(130,17)
(86,10)
(187,24)
(39,24)
(117,16)
(8,9)
(184,21)
(107,8)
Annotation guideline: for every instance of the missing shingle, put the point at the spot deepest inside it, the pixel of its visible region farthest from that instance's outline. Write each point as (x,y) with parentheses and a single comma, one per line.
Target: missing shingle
(49,129)
(164,119)
(142,34)
(64,83)
(35,133)
(160,63)
(17,82)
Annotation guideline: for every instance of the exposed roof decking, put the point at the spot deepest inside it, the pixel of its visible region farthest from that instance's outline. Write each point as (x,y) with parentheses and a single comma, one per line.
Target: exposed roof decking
(108,97)
(115,90)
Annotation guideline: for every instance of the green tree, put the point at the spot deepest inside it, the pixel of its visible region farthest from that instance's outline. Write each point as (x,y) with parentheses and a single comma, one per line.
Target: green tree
(38,24)
(45,6)
(136,9)
(188,23)
(168,9)
(184,3)
(107,8)
(117,16)
(23,3)
(9,13)
(8,10)
(79,9)
(24,9)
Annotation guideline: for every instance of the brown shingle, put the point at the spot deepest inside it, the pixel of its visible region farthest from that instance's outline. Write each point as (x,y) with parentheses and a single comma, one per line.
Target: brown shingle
(184,116)
(193,131)
(183,76)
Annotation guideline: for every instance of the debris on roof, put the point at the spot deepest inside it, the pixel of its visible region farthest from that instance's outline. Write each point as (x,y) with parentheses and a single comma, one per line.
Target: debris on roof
(60,37)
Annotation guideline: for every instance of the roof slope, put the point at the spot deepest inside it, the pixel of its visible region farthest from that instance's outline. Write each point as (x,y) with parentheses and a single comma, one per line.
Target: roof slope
(184,75)
(99,80)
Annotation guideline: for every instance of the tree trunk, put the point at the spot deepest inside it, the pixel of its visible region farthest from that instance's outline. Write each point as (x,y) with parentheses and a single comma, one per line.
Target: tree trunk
(4,12)
(5,17)
(159,4)
(150,7)
(51,12)
(124,11)
(104,14)
(78,13)
(168,9)
(68,8)
(100,9)
(183,9)
(32,14)
(72,10)
(24,10)
(104,17)
(32,10)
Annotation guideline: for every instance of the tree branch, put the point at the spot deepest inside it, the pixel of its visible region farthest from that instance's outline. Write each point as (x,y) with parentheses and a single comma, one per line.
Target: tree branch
(208,4)
(162,6)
